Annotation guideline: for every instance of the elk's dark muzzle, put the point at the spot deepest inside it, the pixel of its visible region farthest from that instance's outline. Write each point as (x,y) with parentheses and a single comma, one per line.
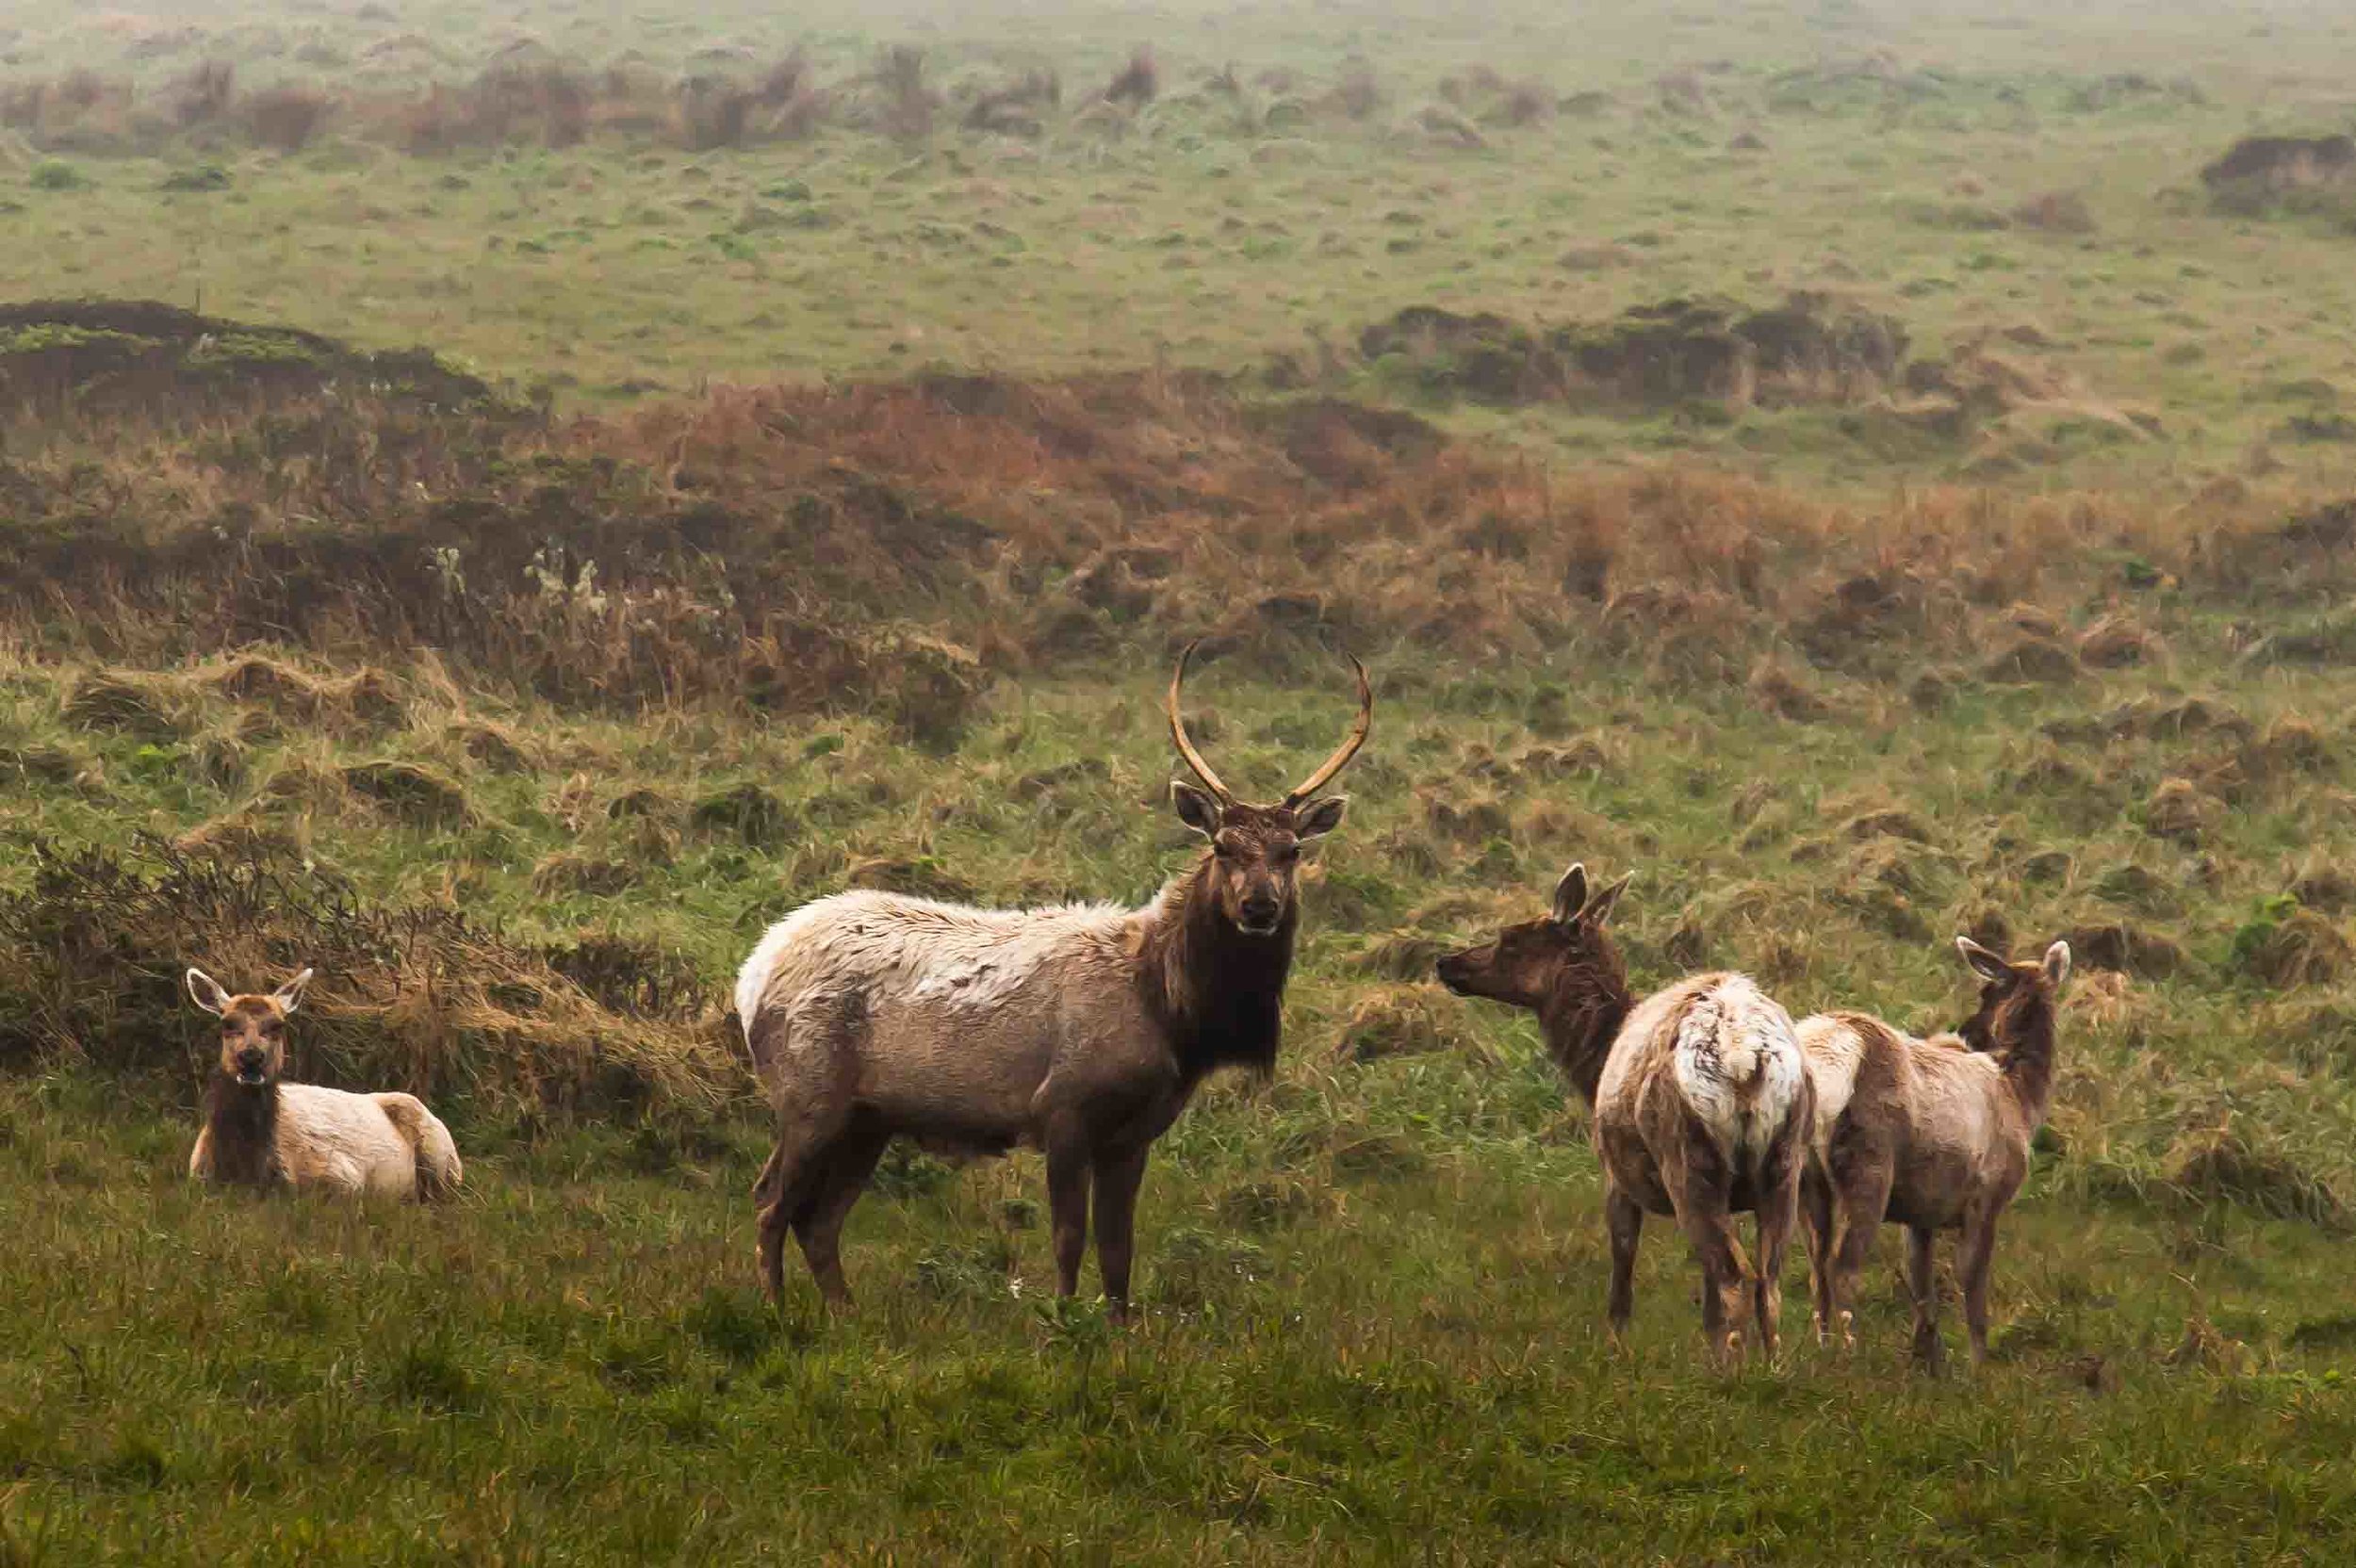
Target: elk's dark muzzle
(1260,913)
(250,1066)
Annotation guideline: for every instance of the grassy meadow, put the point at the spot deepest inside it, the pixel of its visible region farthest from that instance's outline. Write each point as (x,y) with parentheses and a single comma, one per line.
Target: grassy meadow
(846,468)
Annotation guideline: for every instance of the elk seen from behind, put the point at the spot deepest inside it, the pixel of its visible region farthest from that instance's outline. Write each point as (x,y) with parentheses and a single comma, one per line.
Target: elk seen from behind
(1699,1097)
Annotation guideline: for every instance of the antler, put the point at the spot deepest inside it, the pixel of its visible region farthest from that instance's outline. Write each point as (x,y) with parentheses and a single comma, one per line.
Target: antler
(1349,748)
(1178,733)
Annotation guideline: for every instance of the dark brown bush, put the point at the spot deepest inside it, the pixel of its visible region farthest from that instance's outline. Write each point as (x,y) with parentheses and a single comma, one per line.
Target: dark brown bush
(285,119)
(1138,82)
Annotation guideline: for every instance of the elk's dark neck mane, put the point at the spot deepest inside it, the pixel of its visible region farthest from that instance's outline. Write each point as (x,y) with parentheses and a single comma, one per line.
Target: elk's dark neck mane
(1217,992)
(243,1120)
(1582,1017)
(2022,1037)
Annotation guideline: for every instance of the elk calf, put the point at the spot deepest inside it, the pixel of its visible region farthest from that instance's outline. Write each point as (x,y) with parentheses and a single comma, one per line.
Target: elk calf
(1081,1031)
(1932,1135)
(262,1132)
(1699,1095)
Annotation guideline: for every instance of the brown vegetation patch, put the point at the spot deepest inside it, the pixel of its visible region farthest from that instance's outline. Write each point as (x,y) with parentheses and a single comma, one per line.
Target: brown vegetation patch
(2031,657)
(2276,165)
(122,356)
(2221,1164)
(570,871)
(1401,1021)
(2116,642)
(1780,692)
(889,549)
(2300,947)
(2182,811)
(2126,949)
(1404,956)
(122,703)
(2056,212)
(418,998)
(413,794)
(1808,350)
(921,876)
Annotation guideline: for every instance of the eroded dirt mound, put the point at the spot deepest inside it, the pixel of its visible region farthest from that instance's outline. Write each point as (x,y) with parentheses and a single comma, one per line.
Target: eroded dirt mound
(2277,164)
(1809,349)
(121,355)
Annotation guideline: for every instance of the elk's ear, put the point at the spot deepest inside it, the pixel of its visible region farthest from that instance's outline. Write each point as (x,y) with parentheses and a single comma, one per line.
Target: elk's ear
(1196,808)
(206,993)
(1599,908)
(2057,965)
(1986,965)
(289,996)
(1570,896)
(1315,821)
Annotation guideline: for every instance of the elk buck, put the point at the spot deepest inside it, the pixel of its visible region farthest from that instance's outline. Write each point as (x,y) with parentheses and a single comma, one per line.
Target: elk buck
(1932,1135)
(1081,1030)
(261,1130)
(1699,1097)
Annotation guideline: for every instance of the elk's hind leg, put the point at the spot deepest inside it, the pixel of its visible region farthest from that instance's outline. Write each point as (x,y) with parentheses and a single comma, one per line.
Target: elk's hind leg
(842,1169)
(1778,1209)
(1699,1193)
(1624,1220)
(808,1063)
(1922,1283)
(1973,1257)
(1817,1212)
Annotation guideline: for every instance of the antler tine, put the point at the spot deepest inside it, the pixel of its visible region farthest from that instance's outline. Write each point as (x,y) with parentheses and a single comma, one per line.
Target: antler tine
(1349,748)
(1178,731)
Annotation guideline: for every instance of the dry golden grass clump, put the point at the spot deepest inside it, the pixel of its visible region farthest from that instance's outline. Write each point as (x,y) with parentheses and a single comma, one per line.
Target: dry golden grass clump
(418,998)
(1401,1020)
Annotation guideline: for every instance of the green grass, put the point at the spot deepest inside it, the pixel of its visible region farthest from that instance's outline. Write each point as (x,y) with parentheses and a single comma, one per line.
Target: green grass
(1372,1288)
(570,1365)
(623,268)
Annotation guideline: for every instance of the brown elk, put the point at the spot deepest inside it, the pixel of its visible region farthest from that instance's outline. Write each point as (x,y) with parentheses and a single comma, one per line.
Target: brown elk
(1932,1135)
(1699,1097)
(1080,1030)
(261,1130)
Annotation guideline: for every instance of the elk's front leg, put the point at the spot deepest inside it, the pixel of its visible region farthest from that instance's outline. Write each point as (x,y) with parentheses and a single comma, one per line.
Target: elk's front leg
(1117,1178)
(1067,1167)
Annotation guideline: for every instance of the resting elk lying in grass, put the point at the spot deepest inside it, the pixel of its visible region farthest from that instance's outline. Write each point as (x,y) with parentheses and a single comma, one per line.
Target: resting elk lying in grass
(1932,1135)
(1700,1100)
(1081,1031)
(263,1132)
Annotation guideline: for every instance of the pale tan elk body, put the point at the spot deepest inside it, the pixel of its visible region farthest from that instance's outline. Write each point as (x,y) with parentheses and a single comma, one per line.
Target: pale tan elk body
(261,1130)
(1700,1099)
(1081,1031)
(1932,1135)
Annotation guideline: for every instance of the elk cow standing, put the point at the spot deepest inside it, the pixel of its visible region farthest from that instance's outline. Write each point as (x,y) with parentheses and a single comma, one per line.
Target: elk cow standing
(1932,1135)
(1081,1030)
(1700,1098)
(262,1132)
